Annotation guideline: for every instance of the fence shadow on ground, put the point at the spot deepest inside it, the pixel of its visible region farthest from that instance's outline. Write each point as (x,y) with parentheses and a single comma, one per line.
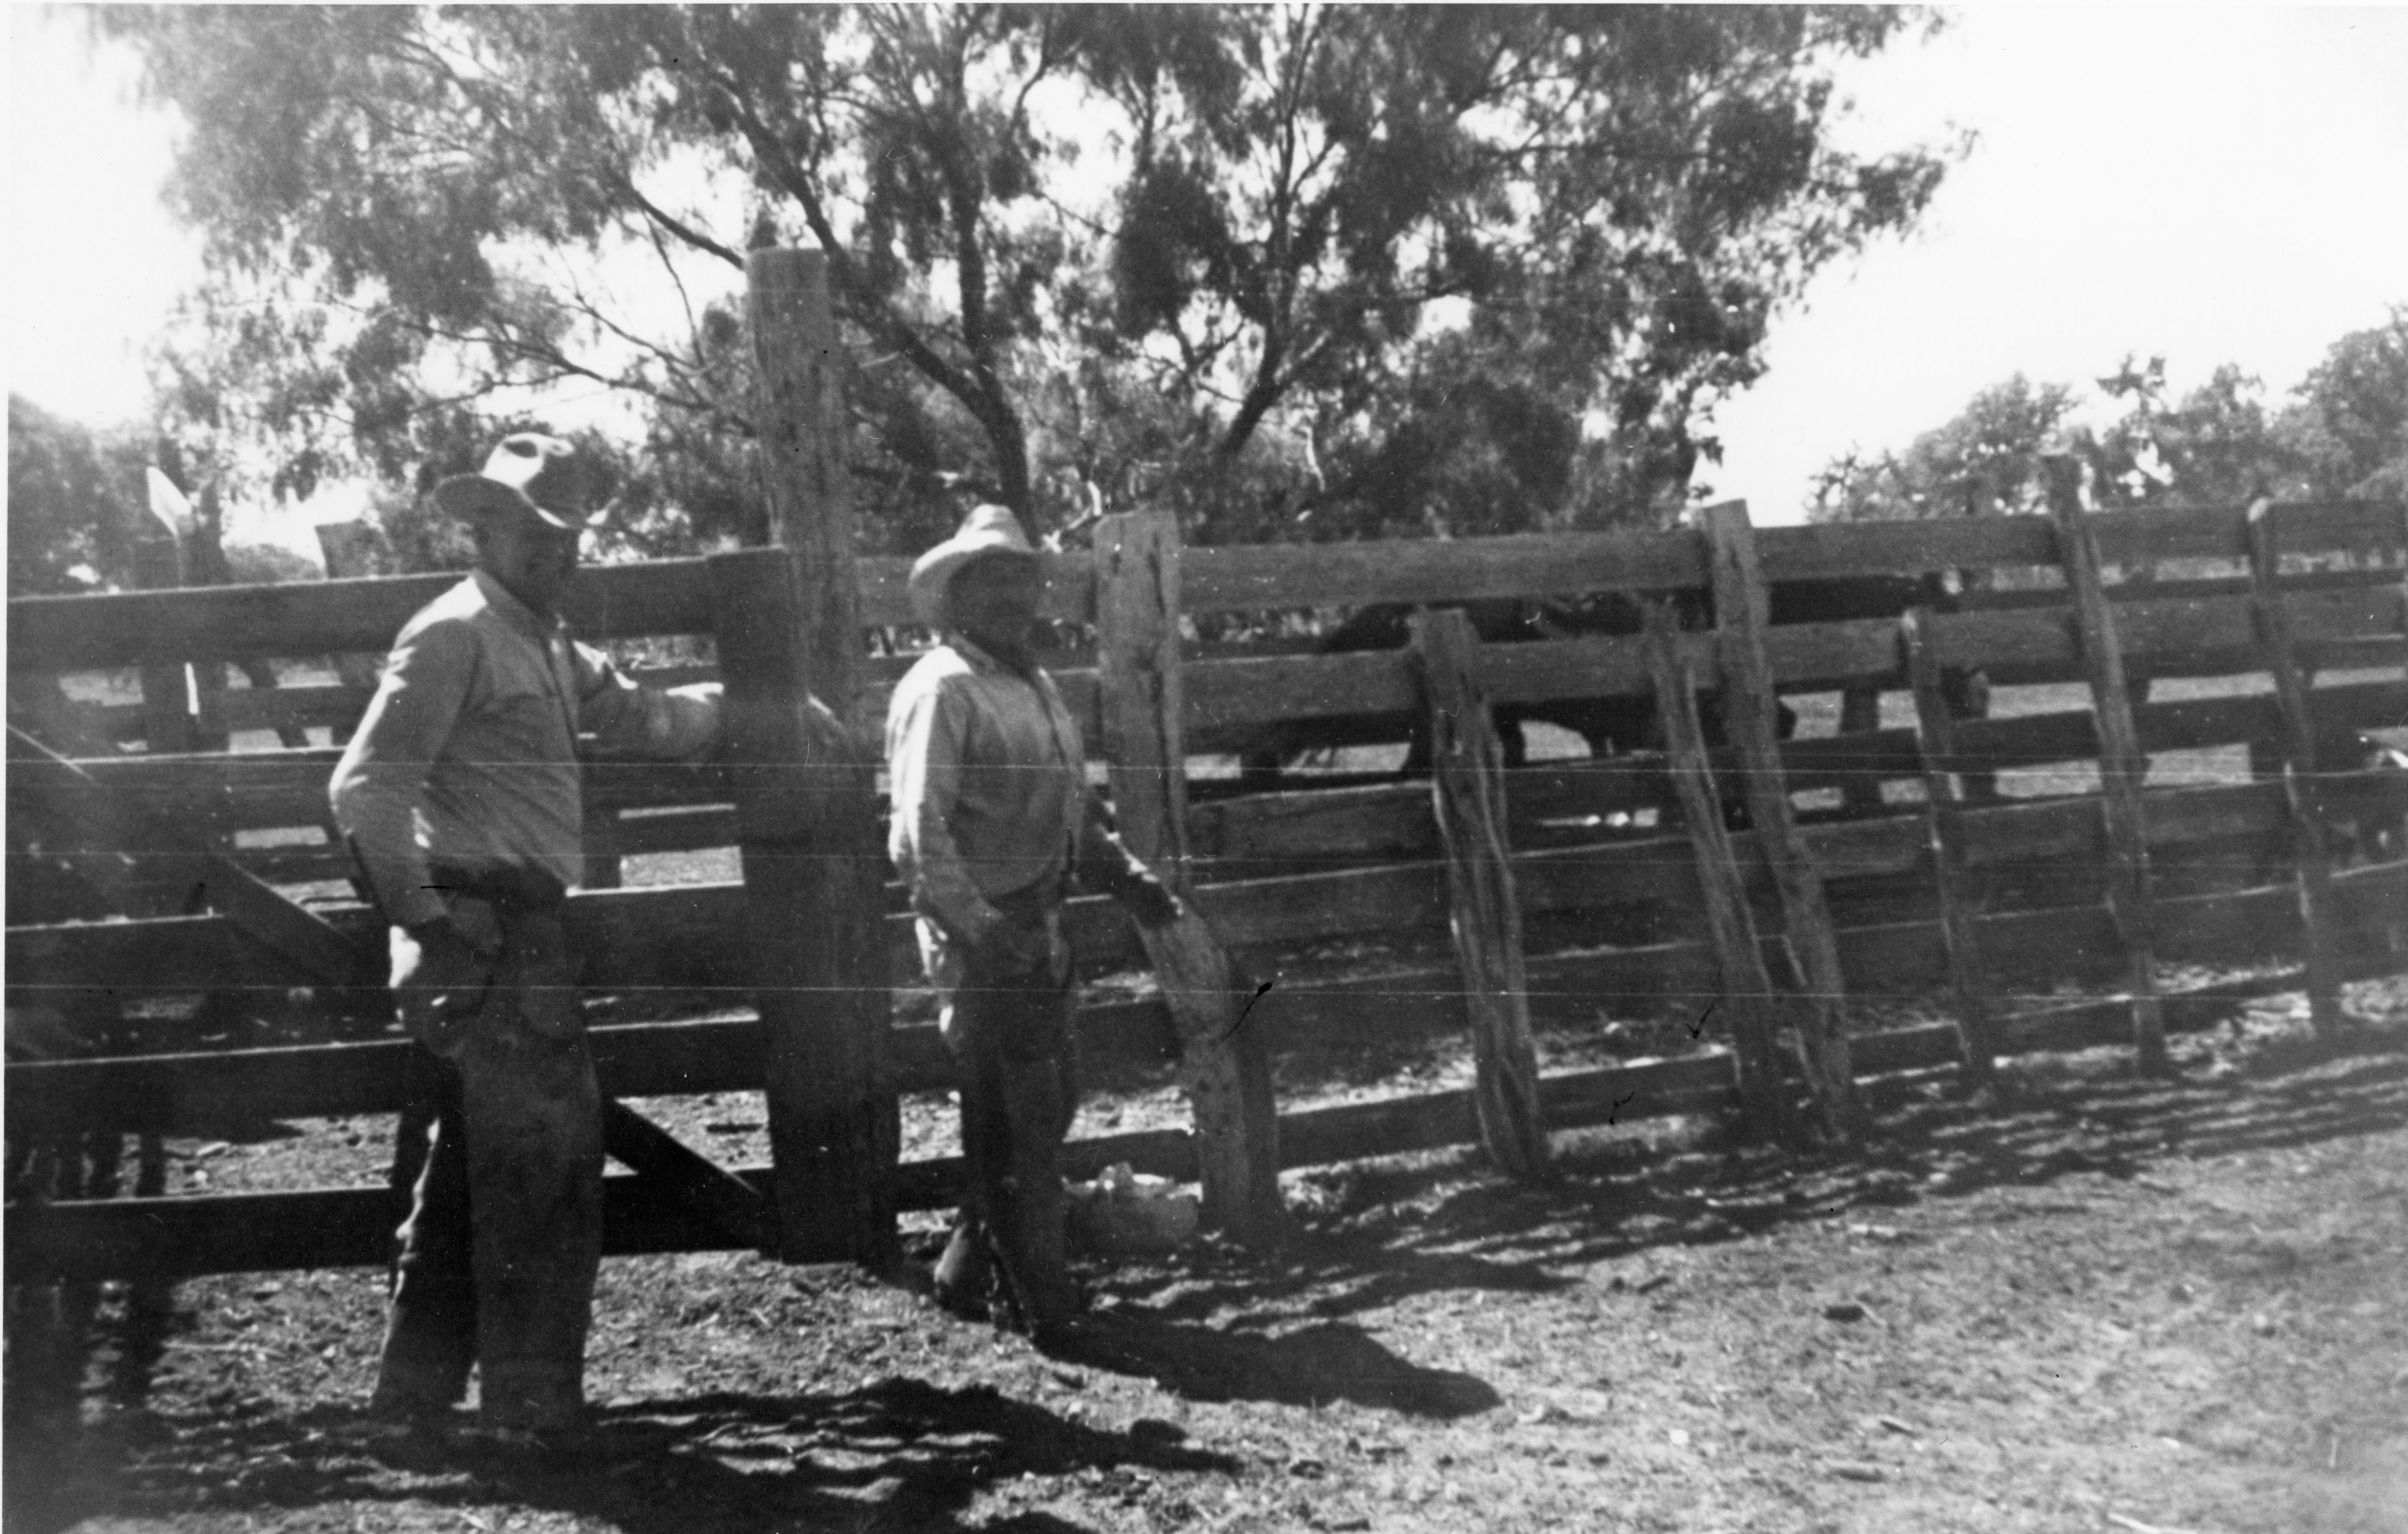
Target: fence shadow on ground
(1389,1230)
(1219,1325)
(897,1452)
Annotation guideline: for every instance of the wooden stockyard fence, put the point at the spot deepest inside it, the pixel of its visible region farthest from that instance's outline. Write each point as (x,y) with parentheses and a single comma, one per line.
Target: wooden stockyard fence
(1483,848)
(183,861)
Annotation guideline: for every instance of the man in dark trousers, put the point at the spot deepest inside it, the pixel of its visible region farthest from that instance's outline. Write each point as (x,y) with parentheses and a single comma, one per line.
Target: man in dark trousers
(460,795)
(992,814)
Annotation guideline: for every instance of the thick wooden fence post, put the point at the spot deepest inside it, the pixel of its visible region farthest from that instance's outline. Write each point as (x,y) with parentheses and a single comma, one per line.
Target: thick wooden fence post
(603,841)
(1741,612)
(814,865)
(1860,714)
(2301,794)
(2122,764)
(204,565)
(168,724)
(1225,1064)
(1730,925)
(1935,738)
(1468,788)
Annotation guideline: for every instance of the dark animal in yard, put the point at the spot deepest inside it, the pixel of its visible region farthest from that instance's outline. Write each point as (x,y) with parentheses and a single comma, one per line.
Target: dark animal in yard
(1609,726)
(1850,598)
(1613,726)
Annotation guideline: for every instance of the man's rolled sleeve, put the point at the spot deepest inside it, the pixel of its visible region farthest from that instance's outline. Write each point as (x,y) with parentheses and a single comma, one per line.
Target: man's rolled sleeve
(924,768)
(379,788)
(650,723)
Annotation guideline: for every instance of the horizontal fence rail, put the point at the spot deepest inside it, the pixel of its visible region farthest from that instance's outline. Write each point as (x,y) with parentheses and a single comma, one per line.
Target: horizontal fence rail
(673,596)
(651,809)
(334,1228)
(631,931)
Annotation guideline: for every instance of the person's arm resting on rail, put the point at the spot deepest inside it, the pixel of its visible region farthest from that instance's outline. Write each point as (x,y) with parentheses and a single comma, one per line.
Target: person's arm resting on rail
(628,719)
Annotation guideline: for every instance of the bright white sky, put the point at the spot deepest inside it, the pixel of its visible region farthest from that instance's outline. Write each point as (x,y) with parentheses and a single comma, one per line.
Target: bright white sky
(2215,184)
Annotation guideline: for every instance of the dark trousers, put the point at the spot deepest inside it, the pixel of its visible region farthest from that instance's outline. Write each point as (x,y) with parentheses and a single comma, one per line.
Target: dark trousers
(1011,1034)
(496,1262)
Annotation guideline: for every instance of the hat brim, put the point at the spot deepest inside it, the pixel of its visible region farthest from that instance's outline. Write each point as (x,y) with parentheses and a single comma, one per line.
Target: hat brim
(932,573)
(474,499)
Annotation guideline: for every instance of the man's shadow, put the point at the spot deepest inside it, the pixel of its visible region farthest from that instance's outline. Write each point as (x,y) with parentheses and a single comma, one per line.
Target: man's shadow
(896,1452)
(1310,1366)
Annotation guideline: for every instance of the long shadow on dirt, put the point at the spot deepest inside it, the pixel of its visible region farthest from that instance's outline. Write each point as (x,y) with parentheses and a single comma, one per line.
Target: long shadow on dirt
(1307,1366)
(1388,1231)
(899,1453)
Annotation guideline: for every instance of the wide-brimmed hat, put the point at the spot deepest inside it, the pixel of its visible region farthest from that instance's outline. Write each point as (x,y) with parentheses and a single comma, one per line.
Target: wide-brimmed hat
(987,530)
(533,473)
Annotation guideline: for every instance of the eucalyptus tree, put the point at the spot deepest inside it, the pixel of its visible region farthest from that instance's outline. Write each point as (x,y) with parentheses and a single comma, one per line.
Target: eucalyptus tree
(74,503)
(2341,434)
(1321,268)
(1985,458)
(2351,418)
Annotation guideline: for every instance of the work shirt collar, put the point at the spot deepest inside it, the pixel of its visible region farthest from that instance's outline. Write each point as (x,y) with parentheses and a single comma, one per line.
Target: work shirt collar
(517,613)
(984,663)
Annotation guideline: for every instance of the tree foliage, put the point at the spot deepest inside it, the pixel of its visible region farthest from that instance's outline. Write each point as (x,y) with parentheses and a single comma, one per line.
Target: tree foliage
(74,498)
(1987,456)
(79,515)
(2351,423)
(1336,269)
(2344,434)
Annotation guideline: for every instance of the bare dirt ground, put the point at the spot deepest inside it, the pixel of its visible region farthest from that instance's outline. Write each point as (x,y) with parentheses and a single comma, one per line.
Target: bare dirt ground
(2105,1303)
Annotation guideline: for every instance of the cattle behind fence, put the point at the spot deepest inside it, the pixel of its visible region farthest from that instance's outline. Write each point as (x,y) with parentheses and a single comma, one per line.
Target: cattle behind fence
(1805,911)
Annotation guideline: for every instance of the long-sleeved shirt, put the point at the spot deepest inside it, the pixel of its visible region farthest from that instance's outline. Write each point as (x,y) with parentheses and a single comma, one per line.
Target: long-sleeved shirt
(989,788)
(467,754)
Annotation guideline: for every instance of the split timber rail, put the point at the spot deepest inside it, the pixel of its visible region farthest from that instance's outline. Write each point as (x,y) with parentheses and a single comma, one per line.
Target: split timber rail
(185,866)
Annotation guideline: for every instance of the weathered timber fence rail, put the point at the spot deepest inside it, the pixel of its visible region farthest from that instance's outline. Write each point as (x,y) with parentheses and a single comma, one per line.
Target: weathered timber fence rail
(1274,873)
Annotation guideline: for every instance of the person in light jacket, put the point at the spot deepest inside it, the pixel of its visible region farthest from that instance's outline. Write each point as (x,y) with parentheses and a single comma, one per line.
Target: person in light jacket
(992,817)
(461,797)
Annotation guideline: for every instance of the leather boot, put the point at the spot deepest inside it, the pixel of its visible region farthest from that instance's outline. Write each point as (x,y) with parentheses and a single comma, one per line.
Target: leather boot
(965,1274)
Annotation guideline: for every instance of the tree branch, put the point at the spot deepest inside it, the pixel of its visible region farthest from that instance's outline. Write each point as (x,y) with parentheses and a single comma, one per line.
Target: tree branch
(663,218)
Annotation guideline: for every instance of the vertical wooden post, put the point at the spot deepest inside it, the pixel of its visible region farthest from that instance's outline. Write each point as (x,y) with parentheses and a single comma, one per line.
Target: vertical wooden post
(602,841)
(814,866)
(803,426)
(2312,860)
(1742,607)
(815,942)
(2122,764)
(1468,788)
(349,548)
(1935,737)
(1226,1066)
(168,722)
(1860,714)
(1739,952)
(204,565)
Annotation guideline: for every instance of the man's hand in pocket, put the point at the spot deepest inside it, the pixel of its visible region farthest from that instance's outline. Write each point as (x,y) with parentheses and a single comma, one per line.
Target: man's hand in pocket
(438,980)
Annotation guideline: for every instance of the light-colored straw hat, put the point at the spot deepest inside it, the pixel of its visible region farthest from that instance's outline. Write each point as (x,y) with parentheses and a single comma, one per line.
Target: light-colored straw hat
(987,530)
(533,473)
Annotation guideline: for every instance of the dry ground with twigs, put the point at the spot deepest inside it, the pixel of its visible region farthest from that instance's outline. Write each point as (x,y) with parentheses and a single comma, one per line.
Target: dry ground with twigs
(2105,1303)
